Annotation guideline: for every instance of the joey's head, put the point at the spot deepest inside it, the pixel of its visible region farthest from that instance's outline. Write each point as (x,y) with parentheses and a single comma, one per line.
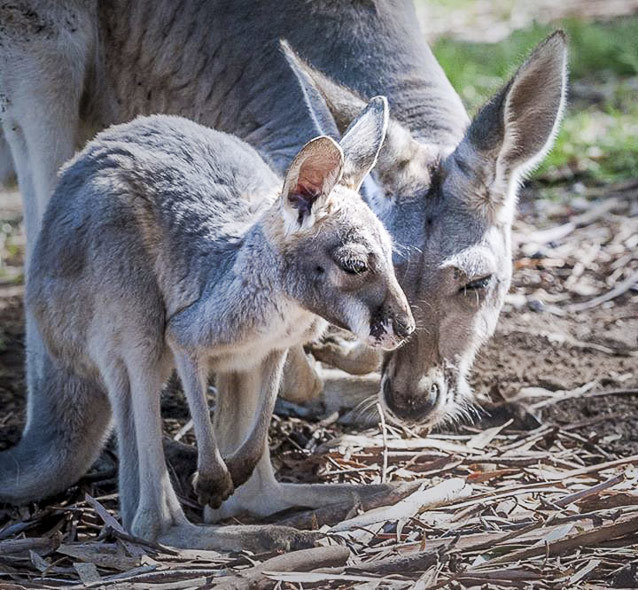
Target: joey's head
(449,207)
(336,255)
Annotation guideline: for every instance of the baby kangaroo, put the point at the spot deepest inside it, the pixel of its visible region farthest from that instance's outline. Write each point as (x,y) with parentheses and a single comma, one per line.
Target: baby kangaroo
(169,245)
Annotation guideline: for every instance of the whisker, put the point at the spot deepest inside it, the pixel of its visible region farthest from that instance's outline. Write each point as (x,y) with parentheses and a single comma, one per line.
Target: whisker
(363,407)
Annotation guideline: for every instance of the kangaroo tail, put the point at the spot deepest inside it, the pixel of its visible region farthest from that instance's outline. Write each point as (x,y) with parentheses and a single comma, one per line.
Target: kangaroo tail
(68,419)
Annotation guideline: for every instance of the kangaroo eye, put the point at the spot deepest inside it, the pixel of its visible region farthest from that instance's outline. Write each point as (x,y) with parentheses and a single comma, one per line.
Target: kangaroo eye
(477,284)
(353,266)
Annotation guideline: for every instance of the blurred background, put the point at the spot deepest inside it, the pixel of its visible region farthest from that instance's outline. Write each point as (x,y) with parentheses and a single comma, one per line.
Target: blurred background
(479,43)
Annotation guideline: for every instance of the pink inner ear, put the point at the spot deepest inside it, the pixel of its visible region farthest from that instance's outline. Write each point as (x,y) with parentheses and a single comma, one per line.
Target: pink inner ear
(311,180)
(308,189)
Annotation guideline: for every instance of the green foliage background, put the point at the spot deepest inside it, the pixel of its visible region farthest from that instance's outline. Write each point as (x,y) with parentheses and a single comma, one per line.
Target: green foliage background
(598,141)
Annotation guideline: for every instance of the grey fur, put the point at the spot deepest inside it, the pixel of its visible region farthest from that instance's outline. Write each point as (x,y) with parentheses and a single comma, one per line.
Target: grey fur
(169,245)
(91,64)
(450,211)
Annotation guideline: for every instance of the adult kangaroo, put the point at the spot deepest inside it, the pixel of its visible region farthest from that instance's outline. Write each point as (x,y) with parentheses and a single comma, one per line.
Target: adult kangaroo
(444,187)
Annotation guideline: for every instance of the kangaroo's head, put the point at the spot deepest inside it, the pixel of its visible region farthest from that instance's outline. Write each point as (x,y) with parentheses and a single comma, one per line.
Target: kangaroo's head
(337,256)
(450,209)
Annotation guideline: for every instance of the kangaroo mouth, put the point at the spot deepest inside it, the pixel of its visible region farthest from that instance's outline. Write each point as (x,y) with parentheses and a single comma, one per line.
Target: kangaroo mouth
(447,398)
(384,335)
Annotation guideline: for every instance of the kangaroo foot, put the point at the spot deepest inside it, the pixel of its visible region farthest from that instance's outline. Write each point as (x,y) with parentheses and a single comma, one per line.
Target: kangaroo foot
(336,499)
(257,538)
(350,356)
(300,382)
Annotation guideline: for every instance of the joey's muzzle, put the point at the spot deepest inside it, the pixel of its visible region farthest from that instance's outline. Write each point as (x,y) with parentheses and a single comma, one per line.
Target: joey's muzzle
(391,324)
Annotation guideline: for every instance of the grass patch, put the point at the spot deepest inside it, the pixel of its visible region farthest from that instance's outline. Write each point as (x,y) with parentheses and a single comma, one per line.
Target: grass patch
(597,141)
(598,51)
(594,145)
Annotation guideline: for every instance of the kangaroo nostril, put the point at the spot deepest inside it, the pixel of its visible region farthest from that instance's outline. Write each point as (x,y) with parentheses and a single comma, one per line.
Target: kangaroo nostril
(404,327)
(435,392)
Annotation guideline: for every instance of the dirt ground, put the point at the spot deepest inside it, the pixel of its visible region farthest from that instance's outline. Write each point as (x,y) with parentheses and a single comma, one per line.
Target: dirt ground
(563,382)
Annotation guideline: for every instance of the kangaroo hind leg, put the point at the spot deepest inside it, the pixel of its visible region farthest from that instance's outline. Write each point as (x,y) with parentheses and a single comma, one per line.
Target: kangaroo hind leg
(118,386)
(158,507)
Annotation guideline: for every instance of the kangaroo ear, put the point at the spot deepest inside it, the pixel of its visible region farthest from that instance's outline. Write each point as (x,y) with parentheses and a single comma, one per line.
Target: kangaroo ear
(362,141)
(314,172)
(324,96)
(512,133)
(321,92)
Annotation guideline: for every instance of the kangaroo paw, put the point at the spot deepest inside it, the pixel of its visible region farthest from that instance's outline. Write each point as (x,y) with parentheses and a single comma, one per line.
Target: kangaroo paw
(352,357)
(213,487)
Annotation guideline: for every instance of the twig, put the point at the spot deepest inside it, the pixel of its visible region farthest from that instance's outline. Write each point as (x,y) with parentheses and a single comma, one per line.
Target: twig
(618,290)
(183,430)
(398,564)
(592,491)
(337,512)
(305,560)
(586,539)
(421,500)
(595,468)
(384,469)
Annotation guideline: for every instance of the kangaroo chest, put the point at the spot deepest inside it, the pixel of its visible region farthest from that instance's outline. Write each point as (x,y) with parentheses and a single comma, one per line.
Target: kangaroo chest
(300,327)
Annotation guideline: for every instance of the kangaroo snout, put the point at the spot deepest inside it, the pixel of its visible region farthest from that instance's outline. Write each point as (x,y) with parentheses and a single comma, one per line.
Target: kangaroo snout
(391,325)
(416,403)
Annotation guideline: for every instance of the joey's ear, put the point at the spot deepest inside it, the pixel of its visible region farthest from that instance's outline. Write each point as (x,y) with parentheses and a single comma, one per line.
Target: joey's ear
(314,172)
(516,128)
(362,141)
(344,105)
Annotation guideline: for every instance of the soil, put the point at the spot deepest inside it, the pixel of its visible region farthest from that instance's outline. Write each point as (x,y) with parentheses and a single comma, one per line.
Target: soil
(567,381)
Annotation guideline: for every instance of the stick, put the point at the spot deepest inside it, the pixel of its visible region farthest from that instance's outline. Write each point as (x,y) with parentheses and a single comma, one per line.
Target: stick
(421,500)
(183,430)
(333,513)
(595,468)
(384,470)
(586,539)
(618,290)
(398,564)
(304,560)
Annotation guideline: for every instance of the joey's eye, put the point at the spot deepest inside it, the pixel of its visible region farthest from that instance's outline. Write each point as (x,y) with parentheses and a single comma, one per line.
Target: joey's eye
(477,284)
(353,266)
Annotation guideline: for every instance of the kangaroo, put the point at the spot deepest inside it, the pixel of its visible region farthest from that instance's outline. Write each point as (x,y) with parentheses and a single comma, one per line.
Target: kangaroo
(468,207)
(444,185)
(165,245)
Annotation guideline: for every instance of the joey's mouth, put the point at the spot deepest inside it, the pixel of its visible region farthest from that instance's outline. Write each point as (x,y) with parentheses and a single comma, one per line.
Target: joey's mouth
(389,335)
